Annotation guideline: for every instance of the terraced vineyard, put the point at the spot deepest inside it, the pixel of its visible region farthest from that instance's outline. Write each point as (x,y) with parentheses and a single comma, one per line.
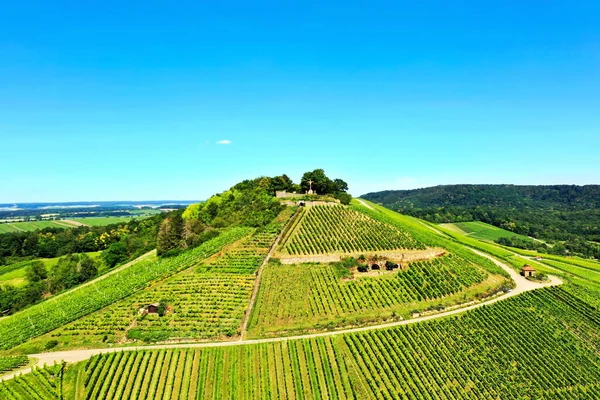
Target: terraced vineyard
(307,295)
(339,229)
(54,313)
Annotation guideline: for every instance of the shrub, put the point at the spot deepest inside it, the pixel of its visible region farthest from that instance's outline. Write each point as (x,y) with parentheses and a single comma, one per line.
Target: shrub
(51,344)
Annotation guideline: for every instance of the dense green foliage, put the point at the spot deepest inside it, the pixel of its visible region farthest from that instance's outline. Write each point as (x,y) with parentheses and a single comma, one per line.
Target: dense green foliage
(70,271)
(55,312)
(558,212)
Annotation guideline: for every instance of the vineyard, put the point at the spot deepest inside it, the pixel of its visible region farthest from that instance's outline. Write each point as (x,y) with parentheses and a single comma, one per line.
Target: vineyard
(339,229)
(312,295)
(501,351)
(40,384)
(206,301)
(298,370)
(56,312)
(498,351)
(10,363)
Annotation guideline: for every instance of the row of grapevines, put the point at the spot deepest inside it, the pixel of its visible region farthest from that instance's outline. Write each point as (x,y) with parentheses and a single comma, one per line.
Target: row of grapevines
(300,370)
(206,301)
(542,344)
(10,363)
(40,384)
(330,229)
(297,296)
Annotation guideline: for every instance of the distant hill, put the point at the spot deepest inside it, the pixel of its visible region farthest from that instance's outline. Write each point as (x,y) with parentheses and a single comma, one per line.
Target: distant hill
(554,211)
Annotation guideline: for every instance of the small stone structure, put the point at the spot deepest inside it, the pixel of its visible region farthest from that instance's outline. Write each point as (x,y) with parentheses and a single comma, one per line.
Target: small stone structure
(527,271)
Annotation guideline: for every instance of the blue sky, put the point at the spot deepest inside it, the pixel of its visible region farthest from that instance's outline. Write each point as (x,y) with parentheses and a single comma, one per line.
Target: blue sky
(127,100)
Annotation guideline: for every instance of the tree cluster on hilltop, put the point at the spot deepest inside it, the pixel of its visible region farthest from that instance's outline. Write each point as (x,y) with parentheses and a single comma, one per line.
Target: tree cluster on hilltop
(249,203)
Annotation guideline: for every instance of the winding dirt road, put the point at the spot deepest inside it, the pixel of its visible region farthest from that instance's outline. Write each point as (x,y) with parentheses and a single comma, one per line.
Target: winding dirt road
(522,285)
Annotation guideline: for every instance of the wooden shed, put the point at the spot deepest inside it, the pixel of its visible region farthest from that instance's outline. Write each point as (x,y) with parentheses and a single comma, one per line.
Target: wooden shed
(527,271)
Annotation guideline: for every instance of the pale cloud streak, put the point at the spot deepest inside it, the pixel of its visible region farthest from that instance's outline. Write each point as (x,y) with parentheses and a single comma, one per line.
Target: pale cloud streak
(224,141)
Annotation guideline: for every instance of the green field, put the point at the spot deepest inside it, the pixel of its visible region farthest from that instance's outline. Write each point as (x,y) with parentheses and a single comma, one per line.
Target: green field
(539,344)
(206,301)
(206,297)
(28,226)
(103,221)
(483,231)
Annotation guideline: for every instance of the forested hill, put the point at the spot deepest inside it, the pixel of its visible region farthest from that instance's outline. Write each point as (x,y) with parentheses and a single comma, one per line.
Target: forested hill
(555,211)
(552,197)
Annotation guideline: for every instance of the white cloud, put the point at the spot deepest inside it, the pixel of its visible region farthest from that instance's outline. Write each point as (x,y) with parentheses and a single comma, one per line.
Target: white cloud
(224,142)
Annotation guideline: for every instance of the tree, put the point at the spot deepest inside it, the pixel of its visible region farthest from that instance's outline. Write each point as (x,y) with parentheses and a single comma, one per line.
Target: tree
(281,183)
(115,254)
(320,182)
(340,185)
(86,268)
(170,234)
(36,272)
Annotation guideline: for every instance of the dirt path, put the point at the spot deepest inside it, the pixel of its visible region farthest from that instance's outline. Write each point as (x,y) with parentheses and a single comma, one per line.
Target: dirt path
(259,275)
(522,285)
(361,201)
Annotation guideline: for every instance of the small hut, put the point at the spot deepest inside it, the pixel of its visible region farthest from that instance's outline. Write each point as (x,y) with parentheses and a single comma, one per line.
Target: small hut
(527,271)
(152,308)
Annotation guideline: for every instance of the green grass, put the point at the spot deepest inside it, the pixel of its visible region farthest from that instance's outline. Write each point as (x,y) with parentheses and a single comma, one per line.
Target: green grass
(483,231)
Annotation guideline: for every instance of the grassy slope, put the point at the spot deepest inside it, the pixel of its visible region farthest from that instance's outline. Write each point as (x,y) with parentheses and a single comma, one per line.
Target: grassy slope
(103,221)
(580,276)
(483,231)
